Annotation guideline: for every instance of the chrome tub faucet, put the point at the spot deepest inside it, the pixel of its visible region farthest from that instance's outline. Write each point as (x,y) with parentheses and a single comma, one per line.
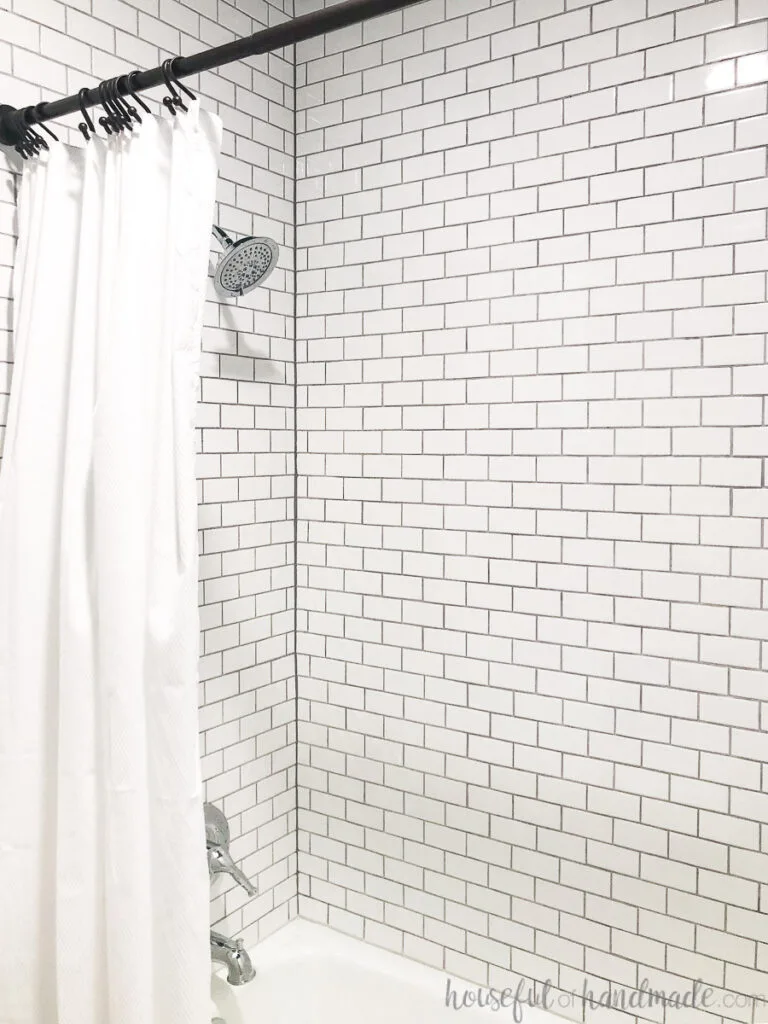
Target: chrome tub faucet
(230,952)
(233,955)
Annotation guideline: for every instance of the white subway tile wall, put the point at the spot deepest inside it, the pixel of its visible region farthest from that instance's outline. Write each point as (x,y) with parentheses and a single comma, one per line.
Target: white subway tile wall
(533,617)
(246,462)
(532,368)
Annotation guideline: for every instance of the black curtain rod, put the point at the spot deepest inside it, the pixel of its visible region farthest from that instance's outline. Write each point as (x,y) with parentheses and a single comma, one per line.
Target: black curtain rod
(14,123)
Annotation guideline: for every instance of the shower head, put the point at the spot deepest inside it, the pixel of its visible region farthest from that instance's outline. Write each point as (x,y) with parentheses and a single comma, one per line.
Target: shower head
(245,264)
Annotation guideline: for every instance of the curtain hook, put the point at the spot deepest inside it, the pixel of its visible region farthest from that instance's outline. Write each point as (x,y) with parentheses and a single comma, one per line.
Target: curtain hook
(27,146)
(106,122)
(34,140)
(35,143)
(176,81)
(118,117)
(86,126)
(133,113)
(117,121)
(35,118)
(117,103)
(24,146)
(29,140)
(134,94)
(174,97)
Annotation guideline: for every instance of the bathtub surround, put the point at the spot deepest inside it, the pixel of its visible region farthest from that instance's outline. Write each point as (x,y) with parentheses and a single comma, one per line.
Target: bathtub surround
(532,366)
(245,465)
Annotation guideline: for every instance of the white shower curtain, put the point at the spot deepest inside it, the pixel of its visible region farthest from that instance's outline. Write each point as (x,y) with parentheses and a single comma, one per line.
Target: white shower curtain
(103,880)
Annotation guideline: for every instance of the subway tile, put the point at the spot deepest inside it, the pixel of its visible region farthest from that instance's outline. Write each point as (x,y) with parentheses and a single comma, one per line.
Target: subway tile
(531,320)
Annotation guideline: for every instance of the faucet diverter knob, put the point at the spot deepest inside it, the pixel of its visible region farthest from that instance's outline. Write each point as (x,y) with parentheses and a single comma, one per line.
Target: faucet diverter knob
(219,858)
(216,826)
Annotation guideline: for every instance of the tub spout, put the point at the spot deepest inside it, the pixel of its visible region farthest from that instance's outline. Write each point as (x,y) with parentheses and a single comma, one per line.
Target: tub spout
(231,953)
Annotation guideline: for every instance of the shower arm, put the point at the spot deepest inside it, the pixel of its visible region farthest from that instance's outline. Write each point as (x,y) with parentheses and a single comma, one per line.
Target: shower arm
(222,237)
(15,123)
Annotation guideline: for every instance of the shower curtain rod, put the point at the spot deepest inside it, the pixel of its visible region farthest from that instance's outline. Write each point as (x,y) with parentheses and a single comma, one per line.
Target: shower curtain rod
(15,122)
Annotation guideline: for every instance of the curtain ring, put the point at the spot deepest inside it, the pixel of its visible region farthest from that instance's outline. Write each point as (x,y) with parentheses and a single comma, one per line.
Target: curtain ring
(132,111)
(134,114)
(28,141)
(134,94)
(86,126)
(36,140)
(35,118)
(117,103)
(108,121)
(128,110)
(118,118)
(24,146)
(176,81)
(35,143)
(174,97)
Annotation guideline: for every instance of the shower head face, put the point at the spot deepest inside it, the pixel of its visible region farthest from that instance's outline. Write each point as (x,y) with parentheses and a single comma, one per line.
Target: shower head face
(245,265)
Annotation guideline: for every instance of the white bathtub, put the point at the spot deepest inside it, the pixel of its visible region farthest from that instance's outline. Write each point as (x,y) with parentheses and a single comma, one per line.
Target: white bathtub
(309,974)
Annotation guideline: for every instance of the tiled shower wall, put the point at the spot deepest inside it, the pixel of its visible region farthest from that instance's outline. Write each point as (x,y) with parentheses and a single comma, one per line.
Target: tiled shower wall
(50,49)
(531,557)
(532,364)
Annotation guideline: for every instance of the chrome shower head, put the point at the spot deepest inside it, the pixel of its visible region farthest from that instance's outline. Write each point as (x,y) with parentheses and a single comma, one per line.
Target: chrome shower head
(245,264)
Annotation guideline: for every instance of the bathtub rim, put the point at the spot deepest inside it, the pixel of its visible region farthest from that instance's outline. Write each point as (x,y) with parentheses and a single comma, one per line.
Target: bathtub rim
(301,939)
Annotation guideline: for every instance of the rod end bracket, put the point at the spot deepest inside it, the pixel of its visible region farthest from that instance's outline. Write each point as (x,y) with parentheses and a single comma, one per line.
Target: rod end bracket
(11,119)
